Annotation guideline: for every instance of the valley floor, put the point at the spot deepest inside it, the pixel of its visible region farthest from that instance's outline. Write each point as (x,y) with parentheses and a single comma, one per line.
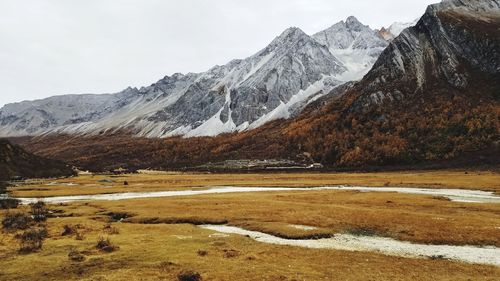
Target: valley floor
(158,238)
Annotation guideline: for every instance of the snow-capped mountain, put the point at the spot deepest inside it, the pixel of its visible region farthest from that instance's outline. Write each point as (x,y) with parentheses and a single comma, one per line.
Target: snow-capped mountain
(275,83)
(395,29)
(356,45)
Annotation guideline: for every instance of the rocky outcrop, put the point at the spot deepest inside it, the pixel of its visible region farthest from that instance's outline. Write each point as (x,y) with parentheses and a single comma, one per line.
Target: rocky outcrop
(453,42)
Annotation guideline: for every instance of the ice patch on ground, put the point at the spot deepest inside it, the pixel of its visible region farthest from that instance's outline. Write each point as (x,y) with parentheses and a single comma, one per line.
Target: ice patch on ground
(386,246)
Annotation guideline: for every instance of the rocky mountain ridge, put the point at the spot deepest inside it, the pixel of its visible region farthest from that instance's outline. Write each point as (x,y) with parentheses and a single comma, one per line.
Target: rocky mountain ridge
(431,97)
(277,82)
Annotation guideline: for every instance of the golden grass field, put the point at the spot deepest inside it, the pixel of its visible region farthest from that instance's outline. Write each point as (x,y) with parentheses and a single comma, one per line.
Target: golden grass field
(89,184)
(159,239)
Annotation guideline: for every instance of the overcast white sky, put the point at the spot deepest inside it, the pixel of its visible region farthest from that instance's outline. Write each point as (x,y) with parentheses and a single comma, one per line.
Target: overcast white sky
(53,47)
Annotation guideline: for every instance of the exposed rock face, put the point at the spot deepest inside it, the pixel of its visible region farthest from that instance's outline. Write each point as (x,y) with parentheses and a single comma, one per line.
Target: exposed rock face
(451,38)
(234,96)
(277,82)
(386,34)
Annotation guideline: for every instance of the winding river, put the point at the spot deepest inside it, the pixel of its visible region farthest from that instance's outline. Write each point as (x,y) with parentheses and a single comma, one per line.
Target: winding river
(386,246)
(457,195)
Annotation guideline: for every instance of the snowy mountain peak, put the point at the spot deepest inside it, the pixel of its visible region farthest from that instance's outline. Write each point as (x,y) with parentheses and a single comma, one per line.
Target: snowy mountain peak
(356,45)
(277,82)
(395,29)
(353,23)
(289,36)
(292,32)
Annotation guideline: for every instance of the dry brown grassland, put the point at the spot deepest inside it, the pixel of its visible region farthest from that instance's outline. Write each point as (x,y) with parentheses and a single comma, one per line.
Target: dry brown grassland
(159,238)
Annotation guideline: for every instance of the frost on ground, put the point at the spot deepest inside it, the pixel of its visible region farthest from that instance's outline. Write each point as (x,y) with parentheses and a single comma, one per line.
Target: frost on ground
(457,195)
(387,246)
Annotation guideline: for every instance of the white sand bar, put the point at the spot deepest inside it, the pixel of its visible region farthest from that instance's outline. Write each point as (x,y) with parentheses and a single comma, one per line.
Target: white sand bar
(386,246)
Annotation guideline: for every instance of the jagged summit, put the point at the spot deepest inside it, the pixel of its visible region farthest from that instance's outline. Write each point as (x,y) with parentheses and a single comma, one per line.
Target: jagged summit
(356,45)
(288,38)
(450,44)
(471,5)
(292,32)
(353,23)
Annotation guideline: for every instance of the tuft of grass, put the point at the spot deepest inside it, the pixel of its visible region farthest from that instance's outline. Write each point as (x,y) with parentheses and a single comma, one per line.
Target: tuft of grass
(202,253)
(105,244)
(229,254)
(116,217)
(362,231)
(76,256)
(68,230)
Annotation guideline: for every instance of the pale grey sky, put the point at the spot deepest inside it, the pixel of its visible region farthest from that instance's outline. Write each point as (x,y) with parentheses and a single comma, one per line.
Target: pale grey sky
(54,47)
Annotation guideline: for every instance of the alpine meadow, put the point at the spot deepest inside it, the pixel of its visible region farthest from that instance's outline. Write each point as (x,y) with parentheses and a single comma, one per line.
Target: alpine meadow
(349,152)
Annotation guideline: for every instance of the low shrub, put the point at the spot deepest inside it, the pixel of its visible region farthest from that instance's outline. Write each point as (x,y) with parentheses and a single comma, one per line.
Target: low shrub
(228,254)
(76,256)
(9,203)
(16,221)
(202,253)
(32,240)
(116,217)
(39,211)
(189,276)
(362,231)
(104,244)
(68,230)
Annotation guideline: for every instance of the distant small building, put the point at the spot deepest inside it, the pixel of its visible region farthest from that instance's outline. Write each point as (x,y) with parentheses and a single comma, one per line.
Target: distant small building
(121,171)
(316,166)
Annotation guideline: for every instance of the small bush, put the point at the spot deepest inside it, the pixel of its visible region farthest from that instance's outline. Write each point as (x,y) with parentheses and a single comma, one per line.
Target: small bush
(228,254)
(202,253)
(39,211)
(68,230)
(104,244)
(116,217)
(16,221)
(76,256)
(32,240)
(189,276)
(363,231)
(9,203)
